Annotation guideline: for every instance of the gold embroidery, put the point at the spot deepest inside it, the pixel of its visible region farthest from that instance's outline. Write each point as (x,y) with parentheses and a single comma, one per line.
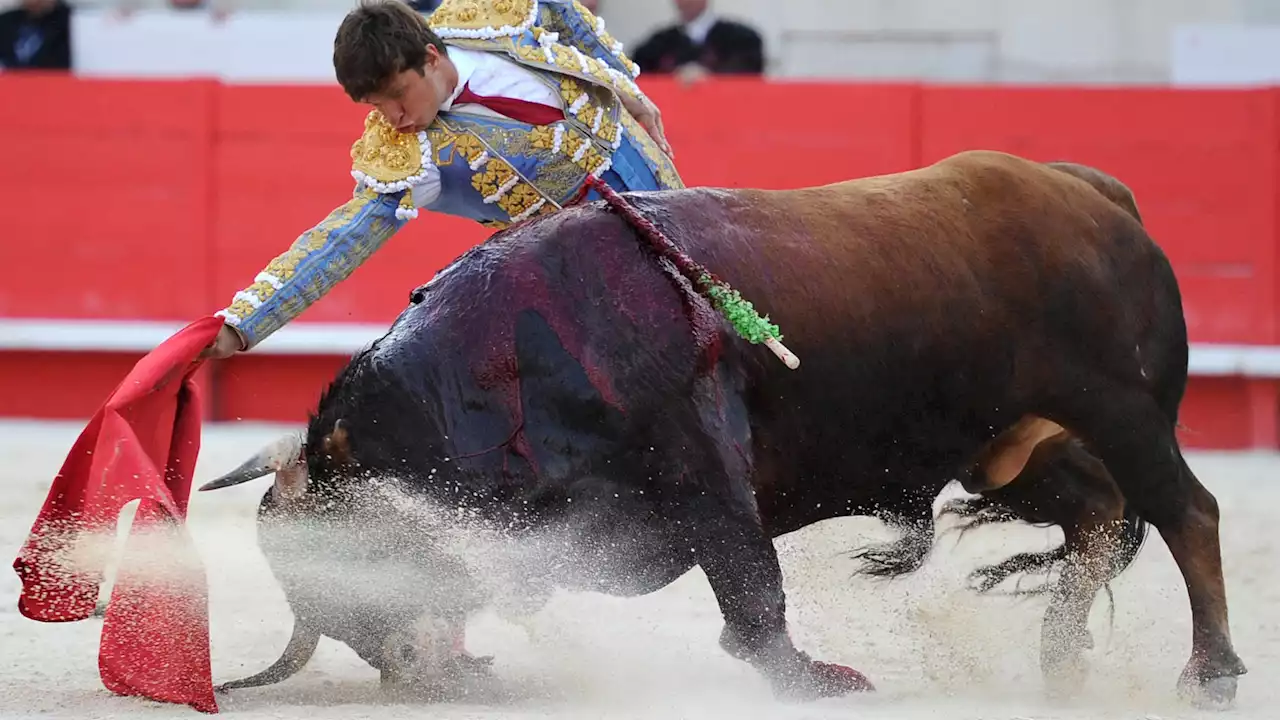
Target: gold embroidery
(469,145)
(542,137)
(284,266)
(608,129)
(521,197)
(531,53)
(385,154)
(443,143)
(240,309)
(498,181)
(496,174)
(588,158)
(482,18)
(565,62)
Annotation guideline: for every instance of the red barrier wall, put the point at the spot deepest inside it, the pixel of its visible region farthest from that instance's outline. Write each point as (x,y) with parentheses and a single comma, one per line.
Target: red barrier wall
(159,199)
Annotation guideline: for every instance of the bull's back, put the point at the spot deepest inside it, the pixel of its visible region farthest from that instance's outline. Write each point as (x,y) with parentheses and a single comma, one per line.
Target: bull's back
(973,245)
(916,301)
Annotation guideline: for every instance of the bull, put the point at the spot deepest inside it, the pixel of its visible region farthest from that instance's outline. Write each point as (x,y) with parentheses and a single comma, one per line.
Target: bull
(1005,323)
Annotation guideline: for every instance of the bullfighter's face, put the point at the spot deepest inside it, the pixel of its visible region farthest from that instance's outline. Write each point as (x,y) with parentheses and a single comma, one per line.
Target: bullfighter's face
(412,98)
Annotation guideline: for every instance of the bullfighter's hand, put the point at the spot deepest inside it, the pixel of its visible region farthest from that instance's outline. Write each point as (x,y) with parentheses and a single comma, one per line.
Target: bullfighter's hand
(227,343)
(692,73)
(650,118)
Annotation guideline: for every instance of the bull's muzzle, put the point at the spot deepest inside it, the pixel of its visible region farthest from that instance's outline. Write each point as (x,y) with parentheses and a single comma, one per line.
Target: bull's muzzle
(429,656)
(283,457)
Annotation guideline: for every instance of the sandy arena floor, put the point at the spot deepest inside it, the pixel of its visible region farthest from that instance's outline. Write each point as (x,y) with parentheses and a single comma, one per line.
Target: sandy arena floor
(934,648)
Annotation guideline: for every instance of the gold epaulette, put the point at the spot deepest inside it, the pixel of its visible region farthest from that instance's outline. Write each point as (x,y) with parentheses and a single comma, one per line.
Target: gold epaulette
(386,160)
(483,19)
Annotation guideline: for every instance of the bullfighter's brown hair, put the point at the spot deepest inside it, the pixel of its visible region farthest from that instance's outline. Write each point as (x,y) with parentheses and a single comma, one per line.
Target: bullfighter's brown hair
(378,40)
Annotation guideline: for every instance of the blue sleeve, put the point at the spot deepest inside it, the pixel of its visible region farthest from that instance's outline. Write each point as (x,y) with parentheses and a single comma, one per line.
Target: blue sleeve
(317,261)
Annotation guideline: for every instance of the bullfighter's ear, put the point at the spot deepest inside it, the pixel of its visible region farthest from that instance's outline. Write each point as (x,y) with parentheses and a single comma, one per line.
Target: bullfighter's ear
(337,444)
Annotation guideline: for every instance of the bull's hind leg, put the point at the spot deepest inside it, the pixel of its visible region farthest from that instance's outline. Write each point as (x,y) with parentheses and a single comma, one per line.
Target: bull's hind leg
(1061,484)
(1136,441)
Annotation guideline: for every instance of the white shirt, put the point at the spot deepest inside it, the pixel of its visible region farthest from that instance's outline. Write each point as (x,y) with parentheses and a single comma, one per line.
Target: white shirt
(698,27)
(487,74)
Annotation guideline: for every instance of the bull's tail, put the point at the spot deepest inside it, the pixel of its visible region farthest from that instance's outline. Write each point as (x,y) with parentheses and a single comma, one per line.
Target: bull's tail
(1111,188)
(983,510)
(902,556)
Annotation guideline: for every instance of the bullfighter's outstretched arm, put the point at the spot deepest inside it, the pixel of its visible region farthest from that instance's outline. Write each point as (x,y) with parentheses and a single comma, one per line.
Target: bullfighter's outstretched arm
(318,260)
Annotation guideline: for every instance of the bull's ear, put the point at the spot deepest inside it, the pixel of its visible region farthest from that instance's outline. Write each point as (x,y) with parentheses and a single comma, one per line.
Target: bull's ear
(337,444)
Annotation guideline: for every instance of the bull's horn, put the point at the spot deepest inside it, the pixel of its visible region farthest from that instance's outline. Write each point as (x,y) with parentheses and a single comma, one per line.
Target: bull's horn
(302,645)
(271,458)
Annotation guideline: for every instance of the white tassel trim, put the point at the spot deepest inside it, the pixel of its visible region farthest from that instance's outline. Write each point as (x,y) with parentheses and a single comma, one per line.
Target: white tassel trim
(582,59)
(251,298)
(489,33)
(506,187)
(480,160)
(530,211)
(270,279)
(546,40)
(403,213)
(557,140)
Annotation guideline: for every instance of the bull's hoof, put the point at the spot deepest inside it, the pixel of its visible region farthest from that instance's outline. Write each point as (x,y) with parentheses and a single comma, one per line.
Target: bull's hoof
(1064,681)
(1217,693)
(455,680)
(814,680)
(839,679)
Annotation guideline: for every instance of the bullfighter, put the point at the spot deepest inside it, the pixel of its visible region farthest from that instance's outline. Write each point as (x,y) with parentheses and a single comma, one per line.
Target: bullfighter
(492,110)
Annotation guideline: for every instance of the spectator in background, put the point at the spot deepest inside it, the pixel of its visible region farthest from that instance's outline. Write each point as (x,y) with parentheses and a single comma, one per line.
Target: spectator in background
(701,43)
(36,36)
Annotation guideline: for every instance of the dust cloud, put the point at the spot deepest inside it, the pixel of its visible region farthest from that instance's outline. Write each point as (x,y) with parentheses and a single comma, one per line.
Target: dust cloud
(934,648)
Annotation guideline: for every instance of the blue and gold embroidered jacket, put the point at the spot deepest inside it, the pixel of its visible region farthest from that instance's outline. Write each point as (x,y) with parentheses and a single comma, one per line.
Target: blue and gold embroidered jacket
(493,170)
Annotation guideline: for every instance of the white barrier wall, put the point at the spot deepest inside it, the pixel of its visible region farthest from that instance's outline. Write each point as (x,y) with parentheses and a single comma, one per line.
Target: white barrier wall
(1226,55)
(1084,41)
(265,46)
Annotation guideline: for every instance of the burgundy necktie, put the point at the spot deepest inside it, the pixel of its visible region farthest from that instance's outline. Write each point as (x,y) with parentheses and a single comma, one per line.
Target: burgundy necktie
(514,108)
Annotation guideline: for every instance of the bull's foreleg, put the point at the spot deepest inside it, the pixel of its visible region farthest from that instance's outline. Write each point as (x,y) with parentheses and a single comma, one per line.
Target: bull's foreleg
(741,564)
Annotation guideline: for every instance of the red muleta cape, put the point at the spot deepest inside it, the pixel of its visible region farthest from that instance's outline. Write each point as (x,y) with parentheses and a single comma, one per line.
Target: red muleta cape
(140,445)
